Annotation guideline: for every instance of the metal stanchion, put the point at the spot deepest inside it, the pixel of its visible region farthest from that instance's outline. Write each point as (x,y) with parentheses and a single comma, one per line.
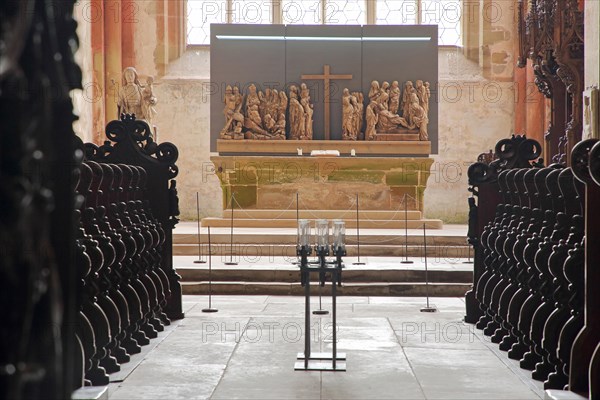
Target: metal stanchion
(406,260)
(231,262)
(297,262)
(469,261)
(199,260)
(428,308)
(210,309)
(357,235)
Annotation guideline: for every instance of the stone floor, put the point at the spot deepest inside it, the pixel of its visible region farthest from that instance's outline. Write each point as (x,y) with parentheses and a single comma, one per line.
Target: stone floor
(248,349)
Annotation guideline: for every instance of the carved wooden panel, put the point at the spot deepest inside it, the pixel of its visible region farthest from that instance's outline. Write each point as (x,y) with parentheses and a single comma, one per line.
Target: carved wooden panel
(551,35)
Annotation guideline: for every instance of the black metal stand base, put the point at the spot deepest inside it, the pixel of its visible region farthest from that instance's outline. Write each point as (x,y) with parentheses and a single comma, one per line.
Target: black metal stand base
(320,312)
(321,362)
(407,262)
(359,263)
(429,309)
(230,263)
(209,310)
(319,365)
(323,356)
(199,262)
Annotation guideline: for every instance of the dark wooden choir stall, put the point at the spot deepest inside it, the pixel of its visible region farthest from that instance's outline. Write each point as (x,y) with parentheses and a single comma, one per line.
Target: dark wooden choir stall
(534,229)
(536,258)
(128,288)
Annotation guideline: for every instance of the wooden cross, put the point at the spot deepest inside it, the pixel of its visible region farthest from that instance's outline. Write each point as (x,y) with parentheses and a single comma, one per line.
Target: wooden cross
(326,76)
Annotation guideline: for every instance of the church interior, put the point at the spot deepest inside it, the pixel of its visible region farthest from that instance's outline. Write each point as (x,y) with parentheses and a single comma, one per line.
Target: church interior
(299,199)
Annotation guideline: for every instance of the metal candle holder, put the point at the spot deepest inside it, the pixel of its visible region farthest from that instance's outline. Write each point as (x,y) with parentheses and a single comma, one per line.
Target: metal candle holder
(308,361)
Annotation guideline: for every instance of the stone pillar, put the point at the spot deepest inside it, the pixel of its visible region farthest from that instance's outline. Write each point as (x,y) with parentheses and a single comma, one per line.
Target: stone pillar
(129,10)
(162,33)
(97,40)
(112,56)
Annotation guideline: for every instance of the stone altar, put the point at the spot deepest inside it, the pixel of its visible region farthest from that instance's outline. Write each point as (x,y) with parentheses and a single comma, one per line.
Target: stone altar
(324,183)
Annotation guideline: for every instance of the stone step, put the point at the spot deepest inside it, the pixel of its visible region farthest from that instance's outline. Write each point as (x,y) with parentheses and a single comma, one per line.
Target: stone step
(394,238)
(350,275)
(260,251)
(292,223)
(363,215)
(347,289)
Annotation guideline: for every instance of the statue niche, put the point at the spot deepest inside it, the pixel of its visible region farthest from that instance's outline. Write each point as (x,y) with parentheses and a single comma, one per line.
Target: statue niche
(383,121)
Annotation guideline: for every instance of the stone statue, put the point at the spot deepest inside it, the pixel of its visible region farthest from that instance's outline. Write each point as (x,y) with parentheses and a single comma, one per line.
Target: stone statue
(387,121)
(262,103)
(390,112)
(252,100)
(374,92)
(423,94)
(135,98)
(308,112)
(358,113)
(282,103)
(384,95)
(416,118)
(265,114)
(234,119)
(149,100)
(348,117)
(296,113)
(372,119)
(253,124)
(304,92)
(273,103)
(352,115)
(263,120)
(274,119)
(394,96)
(408,90)
(383,120)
